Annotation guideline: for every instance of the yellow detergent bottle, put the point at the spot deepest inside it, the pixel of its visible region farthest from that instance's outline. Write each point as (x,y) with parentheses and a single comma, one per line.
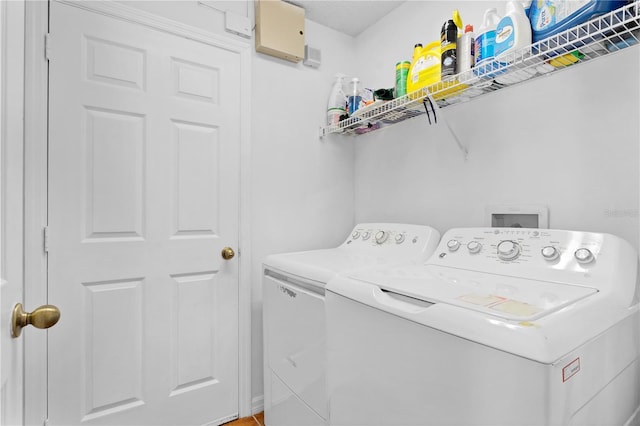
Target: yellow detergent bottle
(425,68)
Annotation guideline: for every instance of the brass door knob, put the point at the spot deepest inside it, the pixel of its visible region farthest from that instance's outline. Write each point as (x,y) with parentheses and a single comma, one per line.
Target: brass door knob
(228,253)
(43,317)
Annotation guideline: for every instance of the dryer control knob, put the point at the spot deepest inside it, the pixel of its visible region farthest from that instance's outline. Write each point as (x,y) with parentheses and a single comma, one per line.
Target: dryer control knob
(508,250)
(550,253)
(381,236)
(453,245)
(366,235)
(584,255)
(399,238)
(474,247)
(355,235)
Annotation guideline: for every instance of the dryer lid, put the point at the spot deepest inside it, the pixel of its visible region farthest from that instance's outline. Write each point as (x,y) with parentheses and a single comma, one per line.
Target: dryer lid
(322,265)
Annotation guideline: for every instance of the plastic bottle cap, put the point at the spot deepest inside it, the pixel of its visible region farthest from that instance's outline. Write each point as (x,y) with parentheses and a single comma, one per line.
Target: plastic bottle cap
(468,28)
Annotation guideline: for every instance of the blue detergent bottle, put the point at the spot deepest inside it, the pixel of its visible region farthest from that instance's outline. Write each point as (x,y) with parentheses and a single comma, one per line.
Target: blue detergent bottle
(486,38)
(484,44)
(550,17)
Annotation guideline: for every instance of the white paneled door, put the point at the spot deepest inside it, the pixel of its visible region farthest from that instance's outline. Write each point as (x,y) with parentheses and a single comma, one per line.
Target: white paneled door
(144,134)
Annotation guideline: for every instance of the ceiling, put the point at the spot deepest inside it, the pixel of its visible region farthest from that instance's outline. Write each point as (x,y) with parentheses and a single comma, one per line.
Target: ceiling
(347,16)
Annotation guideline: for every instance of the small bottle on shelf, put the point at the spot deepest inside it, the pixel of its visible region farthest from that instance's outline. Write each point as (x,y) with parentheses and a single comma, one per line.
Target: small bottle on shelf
(466,50)
(448,44)
(355,95)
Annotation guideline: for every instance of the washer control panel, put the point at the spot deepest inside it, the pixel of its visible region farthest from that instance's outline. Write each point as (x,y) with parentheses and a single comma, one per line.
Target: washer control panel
(545,254)
(522,245)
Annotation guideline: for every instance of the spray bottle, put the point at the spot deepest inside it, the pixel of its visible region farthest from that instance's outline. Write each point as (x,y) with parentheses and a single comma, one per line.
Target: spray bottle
(337,105)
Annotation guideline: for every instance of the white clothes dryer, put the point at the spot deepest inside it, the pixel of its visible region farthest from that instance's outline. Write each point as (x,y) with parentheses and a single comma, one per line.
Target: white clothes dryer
(294,313)
(499,327)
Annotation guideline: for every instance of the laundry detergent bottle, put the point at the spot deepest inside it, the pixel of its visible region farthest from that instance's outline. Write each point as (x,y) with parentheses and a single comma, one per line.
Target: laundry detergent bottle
(425,68)
(486,37)
(513,32)
(549,17)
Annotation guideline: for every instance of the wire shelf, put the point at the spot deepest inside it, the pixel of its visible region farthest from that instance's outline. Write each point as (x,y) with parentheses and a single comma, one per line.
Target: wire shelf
(601,36)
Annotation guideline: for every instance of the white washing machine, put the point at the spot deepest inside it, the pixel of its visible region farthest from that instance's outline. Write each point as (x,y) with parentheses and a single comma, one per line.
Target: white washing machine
(499,327)
(294,313)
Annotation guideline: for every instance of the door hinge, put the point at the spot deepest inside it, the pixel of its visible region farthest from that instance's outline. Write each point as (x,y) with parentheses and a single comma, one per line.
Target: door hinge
(47,46)
(46,239)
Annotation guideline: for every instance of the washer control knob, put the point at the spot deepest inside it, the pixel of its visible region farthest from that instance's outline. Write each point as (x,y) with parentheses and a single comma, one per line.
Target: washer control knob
(453,245)
(381,236)
(355,235)
(366,235)
(508,250)
(550,253)
(584,255)
(399,238)
(474,247)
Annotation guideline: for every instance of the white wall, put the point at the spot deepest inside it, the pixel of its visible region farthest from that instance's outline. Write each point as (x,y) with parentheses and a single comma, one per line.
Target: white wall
(302,186)
(569,141)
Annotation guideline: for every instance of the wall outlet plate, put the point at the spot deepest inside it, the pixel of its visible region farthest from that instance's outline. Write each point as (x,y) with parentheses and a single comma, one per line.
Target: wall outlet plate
(517,216)
(312,56)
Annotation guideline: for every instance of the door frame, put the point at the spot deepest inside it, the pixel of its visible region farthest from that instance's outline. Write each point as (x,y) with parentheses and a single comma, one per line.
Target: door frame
(12,203)
(36,125)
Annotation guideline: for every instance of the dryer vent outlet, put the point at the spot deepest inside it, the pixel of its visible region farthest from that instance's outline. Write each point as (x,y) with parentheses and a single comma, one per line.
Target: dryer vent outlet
(312,56)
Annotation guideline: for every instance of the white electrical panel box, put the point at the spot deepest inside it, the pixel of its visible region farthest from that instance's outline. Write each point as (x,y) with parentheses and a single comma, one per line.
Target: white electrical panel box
(280,29)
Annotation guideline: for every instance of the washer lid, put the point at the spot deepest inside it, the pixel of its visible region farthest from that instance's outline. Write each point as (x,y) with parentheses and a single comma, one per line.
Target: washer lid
(510,298)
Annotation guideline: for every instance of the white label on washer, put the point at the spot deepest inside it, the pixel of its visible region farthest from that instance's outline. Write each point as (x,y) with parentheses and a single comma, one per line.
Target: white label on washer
(570,369)
(515,307)
(502,304)
(481,300)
